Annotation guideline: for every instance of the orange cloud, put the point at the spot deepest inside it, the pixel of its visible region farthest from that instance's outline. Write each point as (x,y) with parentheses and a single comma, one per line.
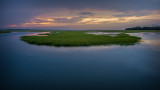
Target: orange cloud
(12,26)
(80,18)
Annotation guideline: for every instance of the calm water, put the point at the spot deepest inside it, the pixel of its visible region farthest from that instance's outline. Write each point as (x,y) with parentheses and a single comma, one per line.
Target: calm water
(30,67)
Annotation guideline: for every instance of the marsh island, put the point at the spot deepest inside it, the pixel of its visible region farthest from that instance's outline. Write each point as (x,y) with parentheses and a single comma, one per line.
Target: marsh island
(80,38)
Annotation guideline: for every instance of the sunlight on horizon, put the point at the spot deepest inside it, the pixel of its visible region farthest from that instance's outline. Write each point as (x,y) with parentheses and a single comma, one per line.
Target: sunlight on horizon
(102,18)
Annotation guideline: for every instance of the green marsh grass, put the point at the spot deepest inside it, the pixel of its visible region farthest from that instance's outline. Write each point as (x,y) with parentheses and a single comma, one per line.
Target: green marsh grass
(5,31)
(80,38)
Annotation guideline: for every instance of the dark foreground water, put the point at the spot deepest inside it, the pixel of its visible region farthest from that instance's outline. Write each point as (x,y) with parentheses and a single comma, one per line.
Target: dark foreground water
(29,67)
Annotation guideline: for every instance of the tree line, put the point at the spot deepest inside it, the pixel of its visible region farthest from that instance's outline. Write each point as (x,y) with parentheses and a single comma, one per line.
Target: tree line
(144,28)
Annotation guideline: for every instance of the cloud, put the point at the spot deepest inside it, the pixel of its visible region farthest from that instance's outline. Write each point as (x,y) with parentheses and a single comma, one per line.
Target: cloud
(102,19)
(86,13)
(40,20)
(99,4)
(136,13)
(68,20)
(58,13)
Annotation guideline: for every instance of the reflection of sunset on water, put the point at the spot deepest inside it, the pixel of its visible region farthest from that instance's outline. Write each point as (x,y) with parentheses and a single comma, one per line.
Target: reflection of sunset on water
(150,39)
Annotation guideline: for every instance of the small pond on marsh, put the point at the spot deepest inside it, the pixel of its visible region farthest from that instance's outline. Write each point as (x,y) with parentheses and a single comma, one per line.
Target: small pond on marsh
(27,66)
(104,33)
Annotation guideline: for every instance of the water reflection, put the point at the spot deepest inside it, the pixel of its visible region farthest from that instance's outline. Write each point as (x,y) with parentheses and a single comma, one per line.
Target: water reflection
(152,40)
(25,66)
(84,49)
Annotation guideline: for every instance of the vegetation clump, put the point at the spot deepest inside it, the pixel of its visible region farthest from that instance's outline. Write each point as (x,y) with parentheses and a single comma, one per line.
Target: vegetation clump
(144,28)
(5,31)
(80,38)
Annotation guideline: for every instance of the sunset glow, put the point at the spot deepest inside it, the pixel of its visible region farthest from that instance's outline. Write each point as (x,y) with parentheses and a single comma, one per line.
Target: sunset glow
(84,17)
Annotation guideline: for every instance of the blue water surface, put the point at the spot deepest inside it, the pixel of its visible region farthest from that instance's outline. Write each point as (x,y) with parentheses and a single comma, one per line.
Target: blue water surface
(30,67)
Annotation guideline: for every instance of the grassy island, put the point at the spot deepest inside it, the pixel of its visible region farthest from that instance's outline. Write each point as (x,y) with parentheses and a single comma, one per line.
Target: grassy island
(80,38)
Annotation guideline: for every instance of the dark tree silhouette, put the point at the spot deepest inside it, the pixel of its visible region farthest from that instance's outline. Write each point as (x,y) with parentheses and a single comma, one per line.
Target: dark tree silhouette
(144,28)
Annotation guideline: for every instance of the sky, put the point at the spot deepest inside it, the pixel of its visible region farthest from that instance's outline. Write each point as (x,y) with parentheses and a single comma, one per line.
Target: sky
(78,14)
